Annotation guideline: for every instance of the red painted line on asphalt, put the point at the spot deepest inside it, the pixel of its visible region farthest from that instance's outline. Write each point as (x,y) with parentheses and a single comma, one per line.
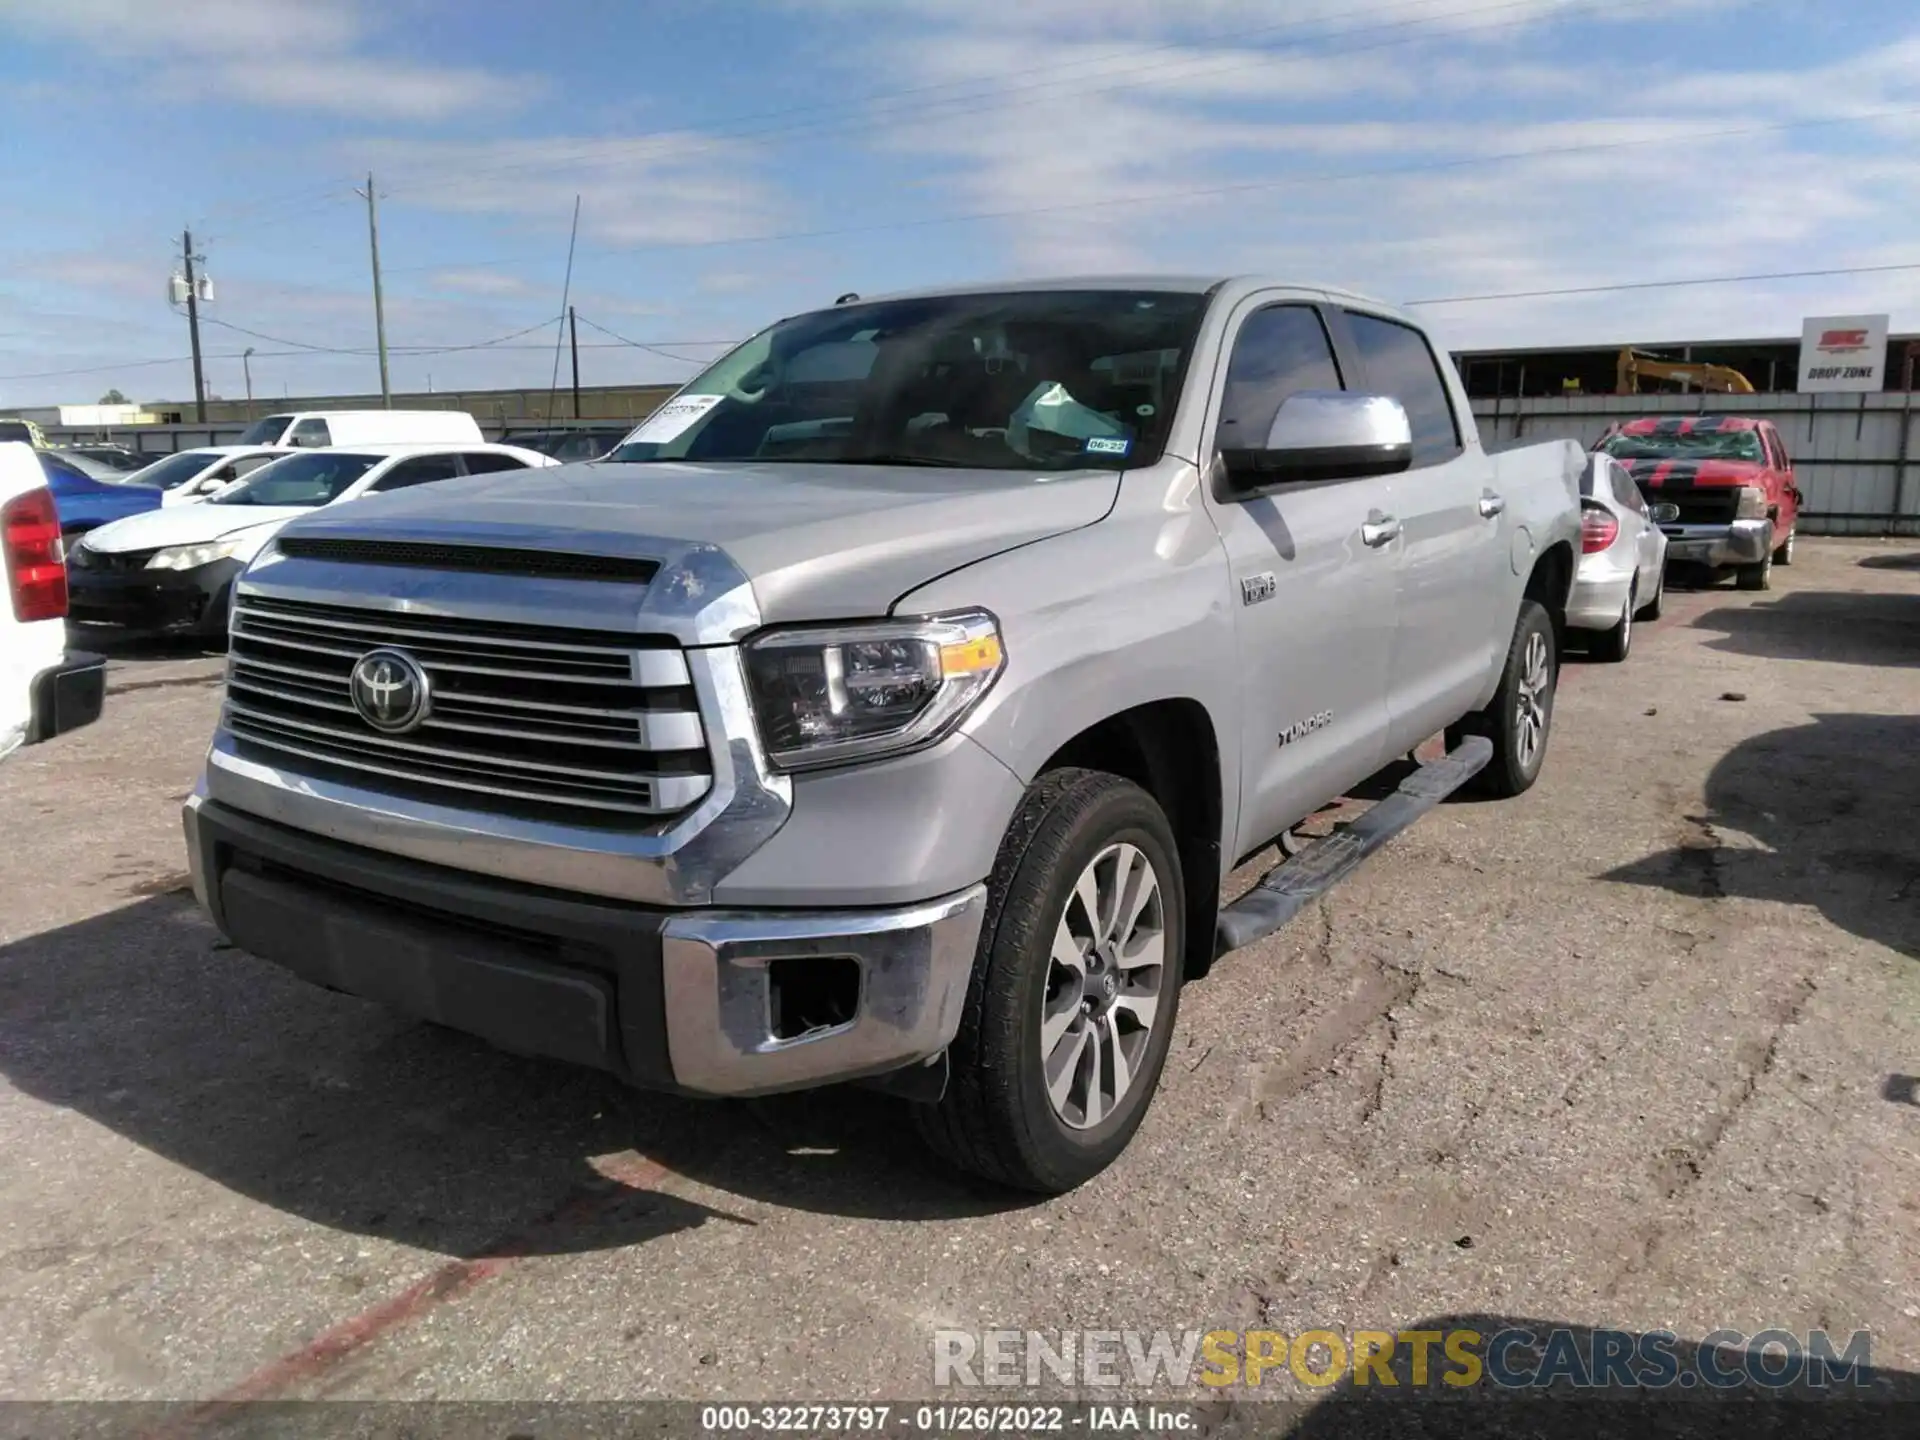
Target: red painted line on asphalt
(629,1173)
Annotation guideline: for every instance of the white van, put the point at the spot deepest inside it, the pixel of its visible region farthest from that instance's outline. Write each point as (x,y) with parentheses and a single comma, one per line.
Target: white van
(320,429)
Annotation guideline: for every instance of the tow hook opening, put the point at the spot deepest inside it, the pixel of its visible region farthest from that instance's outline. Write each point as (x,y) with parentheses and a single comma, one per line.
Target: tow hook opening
(810,994)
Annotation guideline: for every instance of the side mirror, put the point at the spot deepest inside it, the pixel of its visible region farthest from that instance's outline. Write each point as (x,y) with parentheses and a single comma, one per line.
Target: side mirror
(1326,435)
(1664,514)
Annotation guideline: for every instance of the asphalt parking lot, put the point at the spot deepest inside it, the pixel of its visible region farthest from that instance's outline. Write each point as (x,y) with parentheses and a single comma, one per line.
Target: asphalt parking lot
(1637,1050)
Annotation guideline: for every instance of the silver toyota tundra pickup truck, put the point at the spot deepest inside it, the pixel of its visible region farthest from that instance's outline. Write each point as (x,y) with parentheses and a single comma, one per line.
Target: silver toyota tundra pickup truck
(890,705)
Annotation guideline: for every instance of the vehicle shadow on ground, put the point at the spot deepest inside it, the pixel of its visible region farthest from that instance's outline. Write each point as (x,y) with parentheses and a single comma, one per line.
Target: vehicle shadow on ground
(1910,561)
(122,645)
(1832,805)
(347,1115)
(1846,628)
(1869,1403)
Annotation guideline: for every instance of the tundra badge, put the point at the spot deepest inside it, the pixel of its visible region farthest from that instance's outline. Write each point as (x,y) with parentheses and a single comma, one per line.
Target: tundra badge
(1300,729)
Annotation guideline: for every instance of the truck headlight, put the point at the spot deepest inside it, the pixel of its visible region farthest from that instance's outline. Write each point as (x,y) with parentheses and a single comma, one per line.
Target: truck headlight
(827,695)
(192,557)
(1752,503)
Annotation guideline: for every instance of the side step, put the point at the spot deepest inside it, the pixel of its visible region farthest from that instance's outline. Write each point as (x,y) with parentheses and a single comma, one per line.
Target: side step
(1324,863)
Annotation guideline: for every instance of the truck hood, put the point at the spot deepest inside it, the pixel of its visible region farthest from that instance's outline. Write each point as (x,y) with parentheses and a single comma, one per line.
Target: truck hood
(817,542)
(1690,474)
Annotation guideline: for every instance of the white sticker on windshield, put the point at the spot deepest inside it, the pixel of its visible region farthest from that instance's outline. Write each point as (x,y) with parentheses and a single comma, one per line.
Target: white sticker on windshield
(673,419)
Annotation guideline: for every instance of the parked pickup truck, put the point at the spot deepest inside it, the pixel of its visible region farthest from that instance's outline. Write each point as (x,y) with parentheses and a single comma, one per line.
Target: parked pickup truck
(891,704)
(1732,482)
(45,689)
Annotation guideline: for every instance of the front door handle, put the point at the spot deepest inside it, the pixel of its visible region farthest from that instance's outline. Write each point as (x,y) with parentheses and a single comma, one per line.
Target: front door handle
(1491,505)
(1379,530)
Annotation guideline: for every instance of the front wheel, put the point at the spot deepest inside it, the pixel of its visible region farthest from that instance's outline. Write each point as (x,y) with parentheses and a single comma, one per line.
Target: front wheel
(1071,1006)
(1784,555)
(1756,577)
(1519,718)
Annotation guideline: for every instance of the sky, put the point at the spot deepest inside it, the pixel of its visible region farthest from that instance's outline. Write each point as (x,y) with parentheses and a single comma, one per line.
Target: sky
(739,160)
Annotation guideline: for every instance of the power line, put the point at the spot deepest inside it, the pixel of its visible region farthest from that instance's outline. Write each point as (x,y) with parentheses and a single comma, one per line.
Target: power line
(302,347)
(1669,284)
(1211,191)
(655,349)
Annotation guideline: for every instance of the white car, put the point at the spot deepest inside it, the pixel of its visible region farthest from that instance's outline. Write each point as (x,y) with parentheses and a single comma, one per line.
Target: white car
(173,569)
(44,689)
(1621,576)
(189,475)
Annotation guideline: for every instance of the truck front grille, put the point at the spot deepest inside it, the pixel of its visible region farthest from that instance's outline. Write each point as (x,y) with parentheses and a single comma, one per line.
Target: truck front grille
(584,727)
(1699,507)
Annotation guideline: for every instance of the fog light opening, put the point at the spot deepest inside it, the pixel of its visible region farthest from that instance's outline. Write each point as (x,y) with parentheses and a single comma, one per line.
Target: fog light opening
(808,994)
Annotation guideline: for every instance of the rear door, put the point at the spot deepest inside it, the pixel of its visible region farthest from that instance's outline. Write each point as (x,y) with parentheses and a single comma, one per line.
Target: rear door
(1452,544)
(1314,604)
(1786,494)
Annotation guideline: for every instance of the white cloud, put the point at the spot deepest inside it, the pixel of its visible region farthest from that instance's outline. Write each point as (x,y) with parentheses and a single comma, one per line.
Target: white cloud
(665,189)
(282,54)
(478,282)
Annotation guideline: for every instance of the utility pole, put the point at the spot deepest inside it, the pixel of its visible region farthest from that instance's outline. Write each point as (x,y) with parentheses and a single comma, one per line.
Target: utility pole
(379,307)
(246,364)
(573,329)
(193,328)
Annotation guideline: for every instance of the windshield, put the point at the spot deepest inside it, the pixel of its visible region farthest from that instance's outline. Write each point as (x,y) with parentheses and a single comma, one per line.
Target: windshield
(1033,380)
(175,469)
(1695,445)
(318,478)
(266,431)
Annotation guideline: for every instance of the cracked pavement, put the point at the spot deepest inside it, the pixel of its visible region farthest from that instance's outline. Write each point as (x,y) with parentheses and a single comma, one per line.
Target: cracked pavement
(1636,1050)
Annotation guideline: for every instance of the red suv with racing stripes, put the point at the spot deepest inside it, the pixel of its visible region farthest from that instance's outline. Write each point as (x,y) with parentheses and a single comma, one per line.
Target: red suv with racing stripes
(1732,483)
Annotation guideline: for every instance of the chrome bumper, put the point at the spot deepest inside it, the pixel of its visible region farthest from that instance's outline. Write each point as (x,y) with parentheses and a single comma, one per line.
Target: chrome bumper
(681,1000)
(913,963)
(1742,542)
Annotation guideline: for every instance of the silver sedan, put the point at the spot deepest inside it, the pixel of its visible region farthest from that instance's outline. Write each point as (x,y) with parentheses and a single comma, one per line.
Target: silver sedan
(1623,559)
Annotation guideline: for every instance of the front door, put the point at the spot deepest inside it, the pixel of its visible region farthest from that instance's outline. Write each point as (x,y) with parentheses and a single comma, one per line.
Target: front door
(1452,552)
(1314,601)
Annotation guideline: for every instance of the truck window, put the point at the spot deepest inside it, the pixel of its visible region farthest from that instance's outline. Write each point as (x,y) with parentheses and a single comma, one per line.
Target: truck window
(1279,351)
(266,431)
(1400,363)
(1776,448)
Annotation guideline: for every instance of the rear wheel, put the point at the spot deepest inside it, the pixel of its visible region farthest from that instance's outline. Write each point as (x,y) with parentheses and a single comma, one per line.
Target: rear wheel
(1611,646)
(1520,717)
(1071,1006)
(1651,610)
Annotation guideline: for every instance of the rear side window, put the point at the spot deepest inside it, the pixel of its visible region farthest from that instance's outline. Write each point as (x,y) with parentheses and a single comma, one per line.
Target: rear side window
(311,433)
(1776,448)
(1400,363)
(422,470)
(1279,351)
(485,462)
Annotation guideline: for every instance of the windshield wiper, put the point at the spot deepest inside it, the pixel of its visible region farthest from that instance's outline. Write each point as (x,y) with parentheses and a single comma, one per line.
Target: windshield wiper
(890,458)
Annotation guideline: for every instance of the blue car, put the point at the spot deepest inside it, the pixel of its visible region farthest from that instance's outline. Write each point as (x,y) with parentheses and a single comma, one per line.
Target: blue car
(83,502)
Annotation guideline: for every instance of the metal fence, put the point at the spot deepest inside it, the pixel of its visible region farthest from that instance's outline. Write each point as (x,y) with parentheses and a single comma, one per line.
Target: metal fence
(1851,453)
(160,440)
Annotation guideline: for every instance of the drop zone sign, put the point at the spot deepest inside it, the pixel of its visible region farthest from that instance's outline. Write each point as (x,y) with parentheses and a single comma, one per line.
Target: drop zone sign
(1843,352)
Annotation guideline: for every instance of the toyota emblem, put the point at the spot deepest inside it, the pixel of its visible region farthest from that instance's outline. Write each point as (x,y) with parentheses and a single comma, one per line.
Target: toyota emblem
(390,691)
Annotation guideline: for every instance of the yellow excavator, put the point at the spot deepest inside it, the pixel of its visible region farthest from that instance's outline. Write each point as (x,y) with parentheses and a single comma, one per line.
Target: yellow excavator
(1721,379)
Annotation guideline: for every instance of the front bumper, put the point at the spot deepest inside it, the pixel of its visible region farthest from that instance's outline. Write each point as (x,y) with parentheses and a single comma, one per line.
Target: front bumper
(68,696)
(153,600)
(670,999)
(1740,542)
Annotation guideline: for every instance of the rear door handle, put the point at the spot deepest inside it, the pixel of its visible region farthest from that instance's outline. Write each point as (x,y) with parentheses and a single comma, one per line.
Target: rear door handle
(1491,505)
(1379,530)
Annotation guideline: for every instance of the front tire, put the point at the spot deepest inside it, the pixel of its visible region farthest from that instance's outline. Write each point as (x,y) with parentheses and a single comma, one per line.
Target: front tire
(1074,992)
(1611,646)
(1519,718)
(1784,555)
(1756,577)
